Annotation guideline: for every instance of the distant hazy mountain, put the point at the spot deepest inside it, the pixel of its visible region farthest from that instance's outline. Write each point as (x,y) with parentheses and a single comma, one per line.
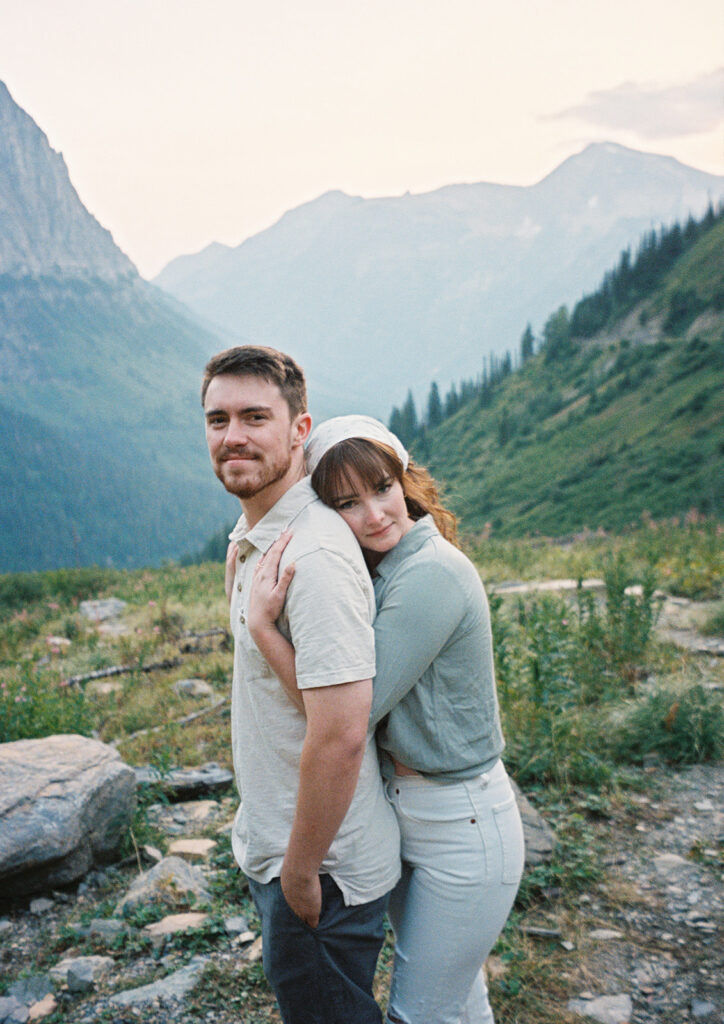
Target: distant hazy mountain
(102,456)
(373,295)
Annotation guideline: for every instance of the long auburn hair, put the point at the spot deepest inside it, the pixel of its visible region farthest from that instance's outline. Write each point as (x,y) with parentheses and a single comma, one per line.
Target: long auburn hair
(373,461)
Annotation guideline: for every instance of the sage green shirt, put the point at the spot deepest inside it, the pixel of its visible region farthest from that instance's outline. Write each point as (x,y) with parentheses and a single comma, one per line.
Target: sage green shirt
(434,691)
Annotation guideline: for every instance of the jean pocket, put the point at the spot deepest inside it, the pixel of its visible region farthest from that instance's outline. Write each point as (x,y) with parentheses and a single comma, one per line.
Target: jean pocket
(510,832)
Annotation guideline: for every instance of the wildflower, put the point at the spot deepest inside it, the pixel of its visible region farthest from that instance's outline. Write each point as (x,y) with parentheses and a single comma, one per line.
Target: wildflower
(53,605)
(151,604)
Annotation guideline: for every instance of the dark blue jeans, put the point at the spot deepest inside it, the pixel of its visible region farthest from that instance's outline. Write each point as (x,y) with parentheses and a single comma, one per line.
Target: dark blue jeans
(321,975)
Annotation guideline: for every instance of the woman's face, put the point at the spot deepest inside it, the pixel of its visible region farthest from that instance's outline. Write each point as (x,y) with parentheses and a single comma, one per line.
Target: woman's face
(376,515)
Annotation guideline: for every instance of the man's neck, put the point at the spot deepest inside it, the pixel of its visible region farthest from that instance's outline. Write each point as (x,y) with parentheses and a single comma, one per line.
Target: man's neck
(256,507)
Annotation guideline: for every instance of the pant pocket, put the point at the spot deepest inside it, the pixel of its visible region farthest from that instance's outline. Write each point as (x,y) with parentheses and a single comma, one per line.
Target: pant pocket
(510,832)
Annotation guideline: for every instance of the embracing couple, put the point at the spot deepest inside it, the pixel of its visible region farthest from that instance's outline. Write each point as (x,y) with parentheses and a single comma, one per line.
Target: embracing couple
(365,728)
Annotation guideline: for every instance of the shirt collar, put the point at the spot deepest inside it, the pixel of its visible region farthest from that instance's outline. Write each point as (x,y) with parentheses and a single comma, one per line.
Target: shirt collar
(413,540)
(278,518)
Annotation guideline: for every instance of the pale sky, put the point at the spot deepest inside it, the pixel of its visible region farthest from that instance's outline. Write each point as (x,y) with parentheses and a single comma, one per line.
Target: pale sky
(190,121)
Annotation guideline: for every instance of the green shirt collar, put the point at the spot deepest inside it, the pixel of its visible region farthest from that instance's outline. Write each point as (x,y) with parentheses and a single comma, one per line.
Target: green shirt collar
(413,540)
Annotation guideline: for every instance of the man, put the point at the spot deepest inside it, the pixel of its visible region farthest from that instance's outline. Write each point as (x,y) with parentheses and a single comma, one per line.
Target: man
(314,833)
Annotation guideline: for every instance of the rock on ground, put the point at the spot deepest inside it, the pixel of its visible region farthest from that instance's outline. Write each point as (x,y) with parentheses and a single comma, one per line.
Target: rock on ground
(171,880)
(65,802)
(81,972)
(174,986)
(606,1009)
(539,836)
(101,610)
(186,783)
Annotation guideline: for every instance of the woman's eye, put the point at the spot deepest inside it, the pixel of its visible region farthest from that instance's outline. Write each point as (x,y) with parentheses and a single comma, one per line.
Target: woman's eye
(384,488)
(344,506)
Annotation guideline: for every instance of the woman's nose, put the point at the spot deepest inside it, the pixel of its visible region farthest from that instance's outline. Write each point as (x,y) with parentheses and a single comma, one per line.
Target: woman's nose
(373,514)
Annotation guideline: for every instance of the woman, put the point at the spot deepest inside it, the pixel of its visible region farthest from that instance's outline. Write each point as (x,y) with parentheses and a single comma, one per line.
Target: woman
(436,713)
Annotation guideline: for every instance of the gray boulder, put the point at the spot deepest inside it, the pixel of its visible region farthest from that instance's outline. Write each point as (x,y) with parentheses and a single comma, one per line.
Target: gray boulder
(100,611)
(169,989)
(65,803)
(186,783)
(173,881)
(540,839)
(12,1011)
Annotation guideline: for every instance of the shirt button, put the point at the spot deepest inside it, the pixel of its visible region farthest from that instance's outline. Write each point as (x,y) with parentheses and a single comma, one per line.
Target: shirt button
(242,620)
(239,586)
(242,558)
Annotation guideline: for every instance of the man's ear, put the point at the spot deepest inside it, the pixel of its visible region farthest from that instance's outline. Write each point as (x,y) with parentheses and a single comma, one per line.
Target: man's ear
(301,428)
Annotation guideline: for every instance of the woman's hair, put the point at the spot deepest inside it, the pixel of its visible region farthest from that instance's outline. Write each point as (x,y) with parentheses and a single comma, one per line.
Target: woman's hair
(372,462)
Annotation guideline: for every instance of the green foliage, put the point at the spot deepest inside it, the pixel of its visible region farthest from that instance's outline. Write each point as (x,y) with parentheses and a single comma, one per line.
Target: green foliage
(34,703)
(682,728)
(557,665)
(20,589)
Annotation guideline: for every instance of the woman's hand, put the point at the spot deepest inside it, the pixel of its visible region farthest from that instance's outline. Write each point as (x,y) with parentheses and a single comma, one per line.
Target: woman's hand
(230,569)
(269,589)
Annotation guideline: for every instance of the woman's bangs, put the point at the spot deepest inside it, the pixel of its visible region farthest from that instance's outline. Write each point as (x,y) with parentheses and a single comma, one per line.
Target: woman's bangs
(370,464)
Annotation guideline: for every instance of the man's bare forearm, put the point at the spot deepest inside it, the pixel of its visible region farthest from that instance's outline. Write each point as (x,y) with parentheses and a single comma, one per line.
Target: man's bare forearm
(329,768)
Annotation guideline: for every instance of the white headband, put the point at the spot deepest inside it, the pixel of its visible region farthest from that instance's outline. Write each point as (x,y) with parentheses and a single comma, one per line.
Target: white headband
(343,428)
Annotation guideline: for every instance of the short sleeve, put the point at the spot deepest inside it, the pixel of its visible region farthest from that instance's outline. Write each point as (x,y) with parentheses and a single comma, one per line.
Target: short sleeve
(328,616)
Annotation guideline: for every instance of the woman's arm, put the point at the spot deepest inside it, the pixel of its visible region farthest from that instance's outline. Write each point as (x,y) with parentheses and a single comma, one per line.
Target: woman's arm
(266,601)
(420,611)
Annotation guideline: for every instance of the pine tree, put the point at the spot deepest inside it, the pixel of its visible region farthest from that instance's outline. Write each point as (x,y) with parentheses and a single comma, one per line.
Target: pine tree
(434,407)
(409,425)
(452,402)
(527,343)
(557,335)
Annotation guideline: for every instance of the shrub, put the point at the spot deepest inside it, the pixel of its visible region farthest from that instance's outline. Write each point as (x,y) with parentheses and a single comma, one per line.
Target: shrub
(683,728)
(34,704)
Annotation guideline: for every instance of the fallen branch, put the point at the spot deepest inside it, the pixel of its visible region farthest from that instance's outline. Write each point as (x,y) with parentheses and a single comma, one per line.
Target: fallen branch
(119,670)
(153,666)
(209,709)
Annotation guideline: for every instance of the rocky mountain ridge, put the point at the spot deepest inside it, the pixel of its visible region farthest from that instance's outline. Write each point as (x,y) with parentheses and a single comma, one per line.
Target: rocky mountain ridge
(46,229)
(103,458)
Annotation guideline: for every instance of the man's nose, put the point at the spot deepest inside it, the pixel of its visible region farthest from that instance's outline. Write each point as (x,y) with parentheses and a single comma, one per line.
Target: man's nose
(236,434)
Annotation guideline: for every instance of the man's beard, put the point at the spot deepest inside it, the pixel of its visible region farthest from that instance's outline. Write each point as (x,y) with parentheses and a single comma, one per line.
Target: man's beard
(265,474)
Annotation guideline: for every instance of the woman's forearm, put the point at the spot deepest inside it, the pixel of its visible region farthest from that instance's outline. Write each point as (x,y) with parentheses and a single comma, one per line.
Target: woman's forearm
(279,655)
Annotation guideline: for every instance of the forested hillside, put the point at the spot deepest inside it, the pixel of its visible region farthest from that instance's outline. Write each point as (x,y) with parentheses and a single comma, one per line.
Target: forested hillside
(615,412)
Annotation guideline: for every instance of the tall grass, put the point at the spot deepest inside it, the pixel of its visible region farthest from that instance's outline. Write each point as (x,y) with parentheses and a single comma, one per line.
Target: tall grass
(566,669)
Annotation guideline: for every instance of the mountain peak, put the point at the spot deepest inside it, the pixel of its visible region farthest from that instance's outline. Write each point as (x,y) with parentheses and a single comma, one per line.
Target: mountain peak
(47,231)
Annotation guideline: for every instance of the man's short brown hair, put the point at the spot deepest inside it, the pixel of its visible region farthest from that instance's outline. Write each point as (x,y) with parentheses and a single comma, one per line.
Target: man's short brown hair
(259,361)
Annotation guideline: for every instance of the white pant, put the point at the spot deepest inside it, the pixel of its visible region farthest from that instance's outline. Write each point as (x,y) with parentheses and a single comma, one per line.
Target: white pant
(462,853)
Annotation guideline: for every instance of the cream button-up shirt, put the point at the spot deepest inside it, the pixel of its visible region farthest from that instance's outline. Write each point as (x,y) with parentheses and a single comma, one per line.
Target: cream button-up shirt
(327,617)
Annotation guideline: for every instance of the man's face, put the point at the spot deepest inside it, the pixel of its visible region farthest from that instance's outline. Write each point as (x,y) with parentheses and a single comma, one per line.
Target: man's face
(250,433)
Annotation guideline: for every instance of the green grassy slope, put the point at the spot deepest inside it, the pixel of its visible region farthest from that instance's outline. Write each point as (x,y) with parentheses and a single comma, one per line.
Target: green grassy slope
(631,422)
